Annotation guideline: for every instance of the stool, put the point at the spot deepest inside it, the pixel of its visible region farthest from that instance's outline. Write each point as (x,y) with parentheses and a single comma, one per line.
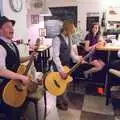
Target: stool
(35,97)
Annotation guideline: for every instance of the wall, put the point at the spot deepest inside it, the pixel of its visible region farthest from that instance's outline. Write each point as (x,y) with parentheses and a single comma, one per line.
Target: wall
(85,6)
(20,18)
(33,29)
(0,7)
(83,9)
(58,3)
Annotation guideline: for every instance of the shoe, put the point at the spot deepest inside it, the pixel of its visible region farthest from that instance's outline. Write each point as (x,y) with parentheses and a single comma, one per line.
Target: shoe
(66,104)
(100,91)
(62,107)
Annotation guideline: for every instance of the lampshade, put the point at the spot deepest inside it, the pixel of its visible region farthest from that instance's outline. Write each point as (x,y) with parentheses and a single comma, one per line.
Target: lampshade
(45,12)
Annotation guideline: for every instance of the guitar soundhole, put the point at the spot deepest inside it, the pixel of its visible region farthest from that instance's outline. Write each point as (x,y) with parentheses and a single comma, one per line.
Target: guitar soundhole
(18,88)
(56,84)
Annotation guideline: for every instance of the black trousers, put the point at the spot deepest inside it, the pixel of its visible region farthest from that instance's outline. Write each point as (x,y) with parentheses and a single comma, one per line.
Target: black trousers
(10,112)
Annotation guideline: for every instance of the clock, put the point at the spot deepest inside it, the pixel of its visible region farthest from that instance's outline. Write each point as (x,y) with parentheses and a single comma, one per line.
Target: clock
(16,5)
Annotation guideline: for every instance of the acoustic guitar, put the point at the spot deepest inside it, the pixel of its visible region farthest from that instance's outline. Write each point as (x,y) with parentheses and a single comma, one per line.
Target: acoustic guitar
(55,84)
(15,93)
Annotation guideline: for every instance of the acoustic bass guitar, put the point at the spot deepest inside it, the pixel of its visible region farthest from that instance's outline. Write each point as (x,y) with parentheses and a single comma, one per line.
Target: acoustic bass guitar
(55,84)
(14,92)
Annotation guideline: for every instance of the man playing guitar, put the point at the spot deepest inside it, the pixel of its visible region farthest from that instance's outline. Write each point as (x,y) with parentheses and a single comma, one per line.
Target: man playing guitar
(9,63)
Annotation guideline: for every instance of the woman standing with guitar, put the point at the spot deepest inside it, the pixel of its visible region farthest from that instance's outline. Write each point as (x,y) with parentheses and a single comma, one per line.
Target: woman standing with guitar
(62,54)
(9,63)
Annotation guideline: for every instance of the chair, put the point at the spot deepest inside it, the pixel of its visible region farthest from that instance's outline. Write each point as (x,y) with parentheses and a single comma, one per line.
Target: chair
(113,80)
(34,98)
(40,92)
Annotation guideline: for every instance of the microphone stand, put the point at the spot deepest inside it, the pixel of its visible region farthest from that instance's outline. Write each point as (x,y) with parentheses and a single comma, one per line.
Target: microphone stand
(45,96)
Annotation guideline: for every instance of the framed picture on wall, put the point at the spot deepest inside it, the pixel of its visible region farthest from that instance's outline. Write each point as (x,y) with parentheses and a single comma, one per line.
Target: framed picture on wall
(35,19)
(42,32)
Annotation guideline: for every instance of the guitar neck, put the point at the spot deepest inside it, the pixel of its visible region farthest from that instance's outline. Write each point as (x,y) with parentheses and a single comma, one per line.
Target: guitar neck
(74,68)
(78,64)
(32,58)
(28,65)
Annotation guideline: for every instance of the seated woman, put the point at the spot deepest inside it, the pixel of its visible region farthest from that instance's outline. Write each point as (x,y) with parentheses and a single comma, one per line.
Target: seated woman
(83,65)
(92,39)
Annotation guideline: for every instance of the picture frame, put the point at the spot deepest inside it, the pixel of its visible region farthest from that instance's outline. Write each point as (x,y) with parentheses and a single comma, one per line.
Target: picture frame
(42,32)
(35,19)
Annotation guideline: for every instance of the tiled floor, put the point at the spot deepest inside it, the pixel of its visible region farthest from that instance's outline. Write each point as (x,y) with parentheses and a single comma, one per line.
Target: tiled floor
(82,106)
(96,104)
(70,114)
(94,116)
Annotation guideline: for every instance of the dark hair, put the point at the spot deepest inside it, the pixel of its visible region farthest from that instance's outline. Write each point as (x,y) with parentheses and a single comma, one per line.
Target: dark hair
(98,33)
(90,30)
(4,19)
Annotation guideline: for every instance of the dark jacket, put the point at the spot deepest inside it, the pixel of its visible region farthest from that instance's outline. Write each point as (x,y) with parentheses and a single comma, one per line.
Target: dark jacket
(12,61)
(65,50)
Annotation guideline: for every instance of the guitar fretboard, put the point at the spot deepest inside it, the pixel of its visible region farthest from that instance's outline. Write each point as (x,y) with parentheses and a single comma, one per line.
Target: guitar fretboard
(78,64)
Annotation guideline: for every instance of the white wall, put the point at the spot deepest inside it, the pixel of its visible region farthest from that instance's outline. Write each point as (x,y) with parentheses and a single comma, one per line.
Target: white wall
(20,18)
(85,6)
(0,7)
(33,29)
(58,3)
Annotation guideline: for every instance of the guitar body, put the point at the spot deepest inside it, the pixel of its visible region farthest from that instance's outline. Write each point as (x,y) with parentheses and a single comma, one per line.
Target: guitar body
(11,95)
(55,84)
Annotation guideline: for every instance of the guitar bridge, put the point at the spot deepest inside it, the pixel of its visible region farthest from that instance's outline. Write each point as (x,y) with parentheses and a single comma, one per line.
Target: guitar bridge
(18,88)
(56,84)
